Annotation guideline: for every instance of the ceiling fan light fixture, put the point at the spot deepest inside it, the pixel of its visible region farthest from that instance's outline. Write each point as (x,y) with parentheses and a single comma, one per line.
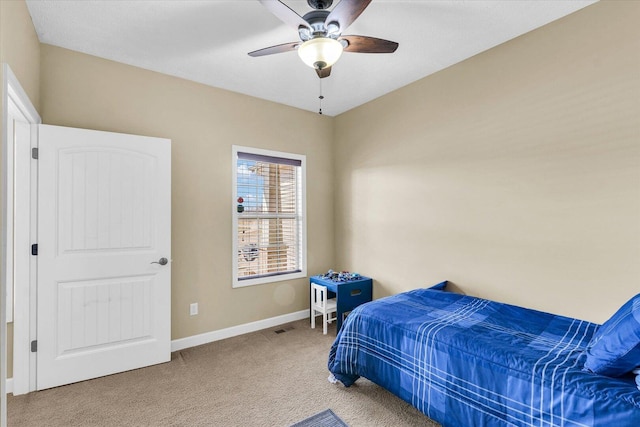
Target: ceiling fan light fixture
(321,52)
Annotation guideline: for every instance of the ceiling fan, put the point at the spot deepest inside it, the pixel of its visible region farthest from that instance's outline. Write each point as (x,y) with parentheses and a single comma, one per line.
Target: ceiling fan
(320,31)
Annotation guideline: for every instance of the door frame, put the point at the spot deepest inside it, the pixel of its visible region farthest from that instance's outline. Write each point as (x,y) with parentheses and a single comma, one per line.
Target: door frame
(15,102)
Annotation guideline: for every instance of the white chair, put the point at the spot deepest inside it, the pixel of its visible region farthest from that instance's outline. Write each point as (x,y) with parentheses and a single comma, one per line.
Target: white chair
(322,305)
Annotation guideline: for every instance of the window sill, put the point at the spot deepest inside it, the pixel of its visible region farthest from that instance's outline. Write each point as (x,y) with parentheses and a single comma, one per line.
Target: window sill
(269,279)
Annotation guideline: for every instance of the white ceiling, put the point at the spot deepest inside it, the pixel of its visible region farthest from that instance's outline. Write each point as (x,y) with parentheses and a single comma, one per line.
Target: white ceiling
(208,41)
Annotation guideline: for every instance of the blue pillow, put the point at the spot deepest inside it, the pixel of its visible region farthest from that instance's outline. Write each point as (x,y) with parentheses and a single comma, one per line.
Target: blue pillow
(614,350)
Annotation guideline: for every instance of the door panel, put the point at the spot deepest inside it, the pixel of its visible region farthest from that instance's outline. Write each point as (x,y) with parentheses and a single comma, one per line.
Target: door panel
(104,218)
(104,312)
(112,207)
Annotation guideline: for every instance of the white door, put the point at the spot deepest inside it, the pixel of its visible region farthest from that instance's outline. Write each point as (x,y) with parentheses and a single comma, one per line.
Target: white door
(104,223)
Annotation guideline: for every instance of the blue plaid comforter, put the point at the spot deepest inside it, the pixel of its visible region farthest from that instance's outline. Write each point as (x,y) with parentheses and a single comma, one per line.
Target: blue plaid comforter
(466,361)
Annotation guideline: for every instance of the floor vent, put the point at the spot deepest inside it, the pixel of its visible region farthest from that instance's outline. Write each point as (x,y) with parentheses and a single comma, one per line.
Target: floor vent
(285,329)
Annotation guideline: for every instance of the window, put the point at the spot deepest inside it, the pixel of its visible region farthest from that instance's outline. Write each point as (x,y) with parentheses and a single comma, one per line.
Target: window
(269,226)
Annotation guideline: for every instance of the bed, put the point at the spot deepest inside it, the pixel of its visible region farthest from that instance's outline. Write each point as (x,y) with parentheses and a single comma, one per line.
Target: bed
(466,361)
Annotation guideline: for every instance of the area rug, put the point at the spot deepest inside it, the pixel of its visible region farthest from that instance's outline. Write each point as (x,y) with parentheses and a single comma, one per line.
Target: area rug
(324,419)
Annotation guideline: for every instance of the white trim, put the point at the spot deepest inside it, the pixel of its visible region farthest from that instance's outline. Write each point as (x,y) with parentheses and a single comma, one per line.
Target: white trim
(19,96)
(16,103)
(3,252)
(208,337)
(31,299)
(9,385)
(22,258)
(8,218)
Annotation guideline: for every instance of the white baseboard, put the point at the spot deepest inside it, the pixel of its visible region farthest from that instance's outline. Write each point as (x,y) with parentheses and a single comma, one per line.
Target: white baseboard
(195,340)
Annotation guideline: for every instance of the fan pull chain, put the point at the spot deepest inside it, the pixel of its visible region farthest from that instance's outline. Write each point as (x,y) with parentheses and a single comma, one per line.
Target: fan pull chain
(320,97)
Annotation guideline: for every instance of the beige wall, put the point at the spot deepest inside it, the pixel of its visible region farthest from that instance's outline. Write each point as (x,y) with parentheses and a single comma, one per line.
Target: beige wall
(19,47)
(515,174)
(83,91)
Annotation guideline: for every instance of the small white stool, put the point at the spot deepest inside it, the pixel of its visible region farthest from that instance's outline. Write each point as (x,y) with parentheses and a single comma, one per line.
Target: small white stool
(321,304)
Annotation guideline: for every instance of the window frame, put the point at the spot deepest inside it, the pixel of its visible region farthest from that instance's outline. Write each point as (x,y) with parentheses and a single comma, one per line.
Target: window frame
(236,281)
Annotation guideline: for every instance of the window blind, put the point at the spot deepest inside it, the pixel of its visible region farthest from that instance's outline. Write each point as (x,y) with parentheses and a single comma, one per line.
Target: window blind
(269,216)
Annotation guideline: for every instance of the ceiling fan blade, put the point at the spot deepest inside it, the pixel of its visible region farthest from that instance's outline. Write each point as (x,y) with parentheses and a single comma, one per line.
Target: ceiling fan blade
(285,13)
(281,48)
(364,44)
(346,12)
(325,72)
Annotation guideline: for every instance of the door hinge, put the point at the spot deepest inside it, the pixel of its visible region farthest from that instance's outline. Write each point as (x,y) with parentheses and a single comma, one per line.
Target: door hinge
(34,346)
(34,153)
(34,249)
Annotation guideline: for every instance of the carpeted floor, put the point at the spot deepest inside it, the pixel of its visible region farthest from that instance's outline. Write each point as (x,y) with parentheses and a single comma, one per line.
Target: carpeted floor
(259,379)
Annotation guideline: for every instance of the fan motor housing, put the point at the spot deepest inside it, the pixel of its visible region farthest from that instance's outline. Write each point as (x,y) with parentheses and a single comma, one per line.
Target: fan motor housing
(320,4)
(316,20)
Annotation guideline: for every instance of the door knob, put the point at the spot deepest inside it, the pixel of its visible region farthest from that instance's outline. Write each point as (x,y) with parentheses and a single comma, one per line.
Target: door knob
(161,261)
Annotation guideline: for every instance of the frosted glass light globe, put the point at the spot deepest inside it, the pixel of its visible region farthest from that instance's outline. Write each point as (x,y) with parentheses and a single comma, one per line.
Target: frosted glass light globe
(320,53)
